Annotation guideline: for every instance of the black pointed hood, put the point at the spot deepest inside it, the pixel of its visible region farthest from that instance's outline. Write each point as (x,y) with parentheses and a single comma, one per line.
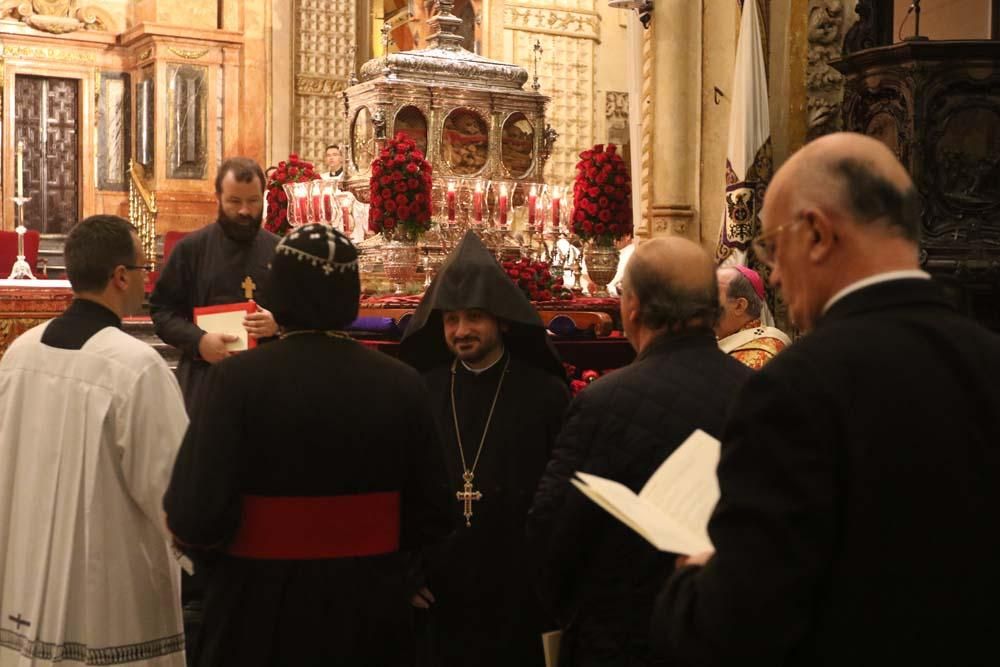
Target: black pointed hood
(471,278)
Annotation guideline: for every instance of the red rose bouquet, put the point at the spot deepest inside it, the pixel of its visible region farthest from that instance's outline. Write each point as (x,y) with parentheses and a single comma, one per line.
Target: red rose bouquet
(400,190)
(292,171)
(602,196)
(536,280)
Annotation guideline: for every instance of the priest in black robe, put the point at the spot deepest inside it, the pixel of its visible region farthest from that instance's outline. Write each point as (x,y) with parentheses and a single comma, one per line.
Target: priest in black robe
(498,392)
(221,263)
(300,502)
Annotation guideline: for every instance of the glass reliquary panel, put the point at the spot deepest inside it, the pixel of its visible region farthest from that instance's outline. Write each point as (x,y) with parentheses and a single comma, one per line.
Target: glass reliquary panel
(363,140)
(517,145)
(411,120)
(465,142)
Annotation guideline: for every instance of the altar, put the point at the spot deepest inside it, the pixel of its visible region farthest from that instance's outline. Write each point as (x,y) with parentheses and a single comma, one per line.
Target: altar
(585,331)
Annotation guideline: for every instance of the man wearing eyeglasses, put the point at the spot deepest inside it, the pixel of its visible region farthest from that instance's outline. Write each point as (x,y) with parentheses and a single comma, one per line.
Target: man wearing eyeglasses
(91,420)
(860,469)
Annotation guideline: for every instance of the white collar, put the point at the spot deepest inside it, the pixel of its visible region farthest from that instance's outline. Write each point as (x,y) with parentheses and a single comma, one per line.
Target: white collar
(477,371)
(874,280)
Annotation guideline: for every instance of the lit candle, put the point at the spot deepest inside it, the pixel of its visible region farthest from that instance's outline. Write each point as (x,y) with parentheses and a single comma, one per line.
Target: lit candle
(451,202)
(502,204)
(477,202)
(20,169)
(555,207)
(532,203)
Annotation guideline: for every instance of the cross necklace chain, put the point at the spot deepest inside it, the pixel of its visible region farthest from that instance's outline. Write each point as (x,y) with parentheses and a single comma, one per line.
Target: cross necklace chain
(468,494)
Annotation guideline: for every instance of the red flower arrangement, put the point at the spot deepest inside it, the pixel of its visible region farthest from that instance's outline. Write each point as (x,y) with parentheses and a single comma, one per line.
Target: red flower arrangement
(535,280)
(602,196)
(292,171)
(400,189)
(578,384)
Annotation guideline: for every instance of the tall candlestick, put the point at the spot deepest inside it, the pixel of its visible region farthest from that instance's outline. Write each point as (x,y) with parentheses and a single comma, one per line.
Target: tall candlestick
(20,169)
(532,203)
(450,196)
(502,204)
(477,202)
(555,207)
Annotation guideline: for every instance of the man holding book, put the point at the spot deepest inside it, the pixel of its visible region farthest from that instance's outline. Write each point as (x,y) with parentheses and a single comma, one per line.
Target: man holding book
(860,470)
(599,576)
(222,263)
(498,392)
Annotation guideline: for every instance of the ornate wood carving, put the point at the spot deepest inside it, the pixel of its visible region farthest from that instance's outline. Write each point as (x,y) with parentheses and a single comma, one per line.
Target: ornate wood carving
(46,119)
(937,104)
(824,85)
(873,28)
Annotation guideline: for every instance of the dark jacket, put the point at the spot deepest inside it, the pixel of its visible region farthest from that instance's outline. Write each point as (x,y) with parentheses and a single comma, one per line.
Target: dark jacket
(600,577)
(860,479)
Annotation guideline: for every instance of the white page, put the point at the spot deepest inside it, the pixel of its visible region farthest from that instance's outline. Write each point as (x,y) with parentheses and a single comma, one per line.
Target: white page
(226,323)
(659,529)
(686,487)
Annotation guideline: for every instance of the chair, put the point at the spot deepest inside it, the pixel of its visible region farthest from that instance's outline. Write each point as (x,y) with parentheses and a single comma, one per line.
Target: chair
(169,241)
(8,251)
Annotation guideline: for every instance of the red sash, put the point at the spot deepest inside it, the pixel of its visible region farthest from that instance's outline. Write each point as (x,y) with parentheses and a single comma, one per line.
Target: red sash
(317,527)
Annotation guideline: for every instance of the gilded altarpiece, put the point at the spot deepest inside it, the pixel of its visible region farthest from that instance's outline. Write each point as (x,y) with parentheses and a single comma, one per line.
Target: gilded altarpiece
(569,32)
(324,59)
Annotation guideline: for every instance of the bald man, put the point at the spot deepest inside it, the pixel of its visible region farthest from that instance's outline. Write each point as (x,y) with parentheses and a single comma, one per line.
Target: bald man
(860,470)
(741,333)
(599,576)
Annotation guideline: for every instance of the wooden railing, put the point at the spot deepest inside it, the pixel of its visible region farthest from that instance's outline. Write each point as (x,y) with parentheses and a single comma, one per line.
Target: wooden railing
(142,211)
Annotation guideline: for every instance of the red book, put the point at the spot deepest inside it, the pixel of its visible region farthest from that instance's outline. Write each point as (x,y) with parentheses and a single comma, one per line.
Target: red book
(228,318)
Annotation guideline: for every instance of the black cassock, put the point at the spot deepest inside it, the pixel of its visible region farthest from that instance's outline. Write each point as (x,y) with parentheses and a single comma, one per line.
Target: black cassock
(206,268)
(486,611)
(297,450)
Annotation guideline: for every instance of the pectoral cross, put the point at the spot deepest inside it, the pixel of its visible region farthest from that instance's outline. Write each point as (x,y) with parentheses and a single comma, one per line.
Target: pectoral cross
(248,286)
(18,621)
(467,495)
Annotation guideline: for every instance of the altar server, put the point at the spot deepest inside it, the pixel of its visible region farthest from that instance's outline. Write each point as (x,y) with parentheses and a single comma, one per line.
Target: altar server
(90,422)
(298,501)
(860,470)
(741,333)
(221,263)
(498,391)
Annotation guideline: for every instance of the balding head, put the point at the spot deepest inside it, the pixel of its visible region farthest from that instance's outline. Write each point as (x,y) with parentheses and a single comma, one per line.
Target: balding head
(669,285)
(840,210)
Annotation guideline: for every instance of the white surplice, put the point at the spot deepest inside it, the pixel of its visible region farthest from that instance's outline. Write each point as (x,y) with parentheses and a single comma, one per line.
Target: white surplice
(87,443)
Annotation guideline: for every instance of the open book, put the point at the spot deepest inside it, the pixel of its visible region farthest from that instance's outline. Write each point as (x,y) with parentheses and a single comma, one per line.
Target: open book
(672,510)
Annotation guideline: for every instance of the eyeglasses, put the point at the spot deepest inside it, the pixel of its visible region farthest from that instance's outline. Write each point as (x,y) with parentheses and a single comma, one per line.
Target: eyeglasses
(135,267)
(765,245)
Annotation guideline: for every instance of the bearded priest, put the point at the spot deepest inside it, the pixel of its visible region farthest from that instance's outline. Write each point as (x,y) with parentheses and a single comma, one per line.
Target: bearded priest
(498,391)
(219,264)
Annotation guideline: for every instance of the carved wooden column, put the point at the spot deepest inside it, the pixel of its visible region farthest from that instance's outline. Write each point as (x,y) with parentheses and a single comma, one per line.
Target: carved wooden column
(937,105)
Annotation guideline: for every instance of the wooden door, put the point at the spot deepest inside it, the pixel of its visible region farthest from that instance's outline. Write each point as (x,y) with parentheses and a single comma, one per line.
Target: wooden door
(46,118)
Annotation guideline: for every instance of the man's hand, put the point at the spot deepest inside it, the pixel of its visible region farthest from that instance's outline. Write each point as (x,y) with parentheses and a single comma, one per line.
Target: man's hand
(260,324)
(423,599)
(212,346)
(696,559)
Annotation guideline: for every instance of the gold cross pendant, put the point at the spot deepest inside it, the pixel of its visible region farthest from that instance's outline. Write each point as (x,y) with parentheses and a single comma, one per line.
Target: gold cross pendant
(248,286)
(467,495)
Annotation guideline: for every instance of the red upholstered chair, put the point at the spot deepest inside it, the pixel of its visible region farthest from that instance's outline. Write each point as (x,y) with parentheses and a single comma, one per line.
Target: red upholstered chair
(8,251)
(169,241)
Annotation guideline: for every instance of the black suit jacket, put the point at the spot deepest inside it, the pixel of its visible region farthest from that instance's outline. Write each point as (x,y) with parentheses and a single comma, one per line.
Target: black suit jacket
(600,576)
(860,479)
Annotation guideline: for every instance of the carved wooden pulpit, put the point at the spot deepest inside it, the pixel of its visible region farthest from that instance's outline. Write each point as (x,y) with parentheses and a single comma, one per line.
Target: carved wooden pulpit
(937,105)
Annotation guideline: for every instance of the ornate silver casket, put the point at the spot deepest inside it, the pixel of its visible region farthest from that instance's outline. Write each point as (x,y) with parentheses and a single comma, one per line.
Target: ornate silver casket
(470,115)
